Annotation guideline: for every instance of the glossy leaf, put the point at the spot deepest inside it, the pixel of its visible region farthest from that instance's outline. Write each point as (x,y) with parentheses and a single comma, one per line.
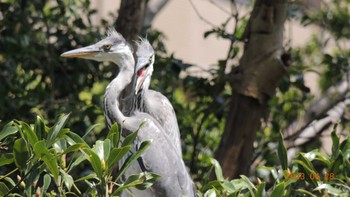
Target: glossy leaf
(282,152)
(57,129)
(140,181)
(6,159)
(67,180)
(217,169)
(29,133)
(261,192)
(39,128)
(330,189)
(20,153)
(95,162)
(114,135)
(115,155)
(8,129)
(73,138)
(335,146)
(87,177)
(132,158)
(129,140)
(49,159)
(278,191)
(3,189)
(47,182)
(91,128)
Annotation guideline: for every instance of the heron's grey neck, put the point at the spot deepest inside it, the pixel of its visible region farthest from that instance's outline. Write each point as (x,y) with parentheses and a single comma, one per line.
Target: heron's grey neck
(114,90)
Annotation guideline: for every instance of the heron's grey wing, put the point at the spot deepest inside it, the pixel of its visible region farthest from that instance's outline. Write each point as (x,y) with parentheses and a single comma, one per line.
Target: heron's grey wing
(163,159)
(160,108)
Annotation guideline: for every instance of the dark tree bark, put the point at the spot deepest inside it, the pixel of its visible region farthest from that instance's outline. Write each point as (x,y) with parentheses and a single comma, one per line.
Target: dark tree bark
(261,67)
(130,18)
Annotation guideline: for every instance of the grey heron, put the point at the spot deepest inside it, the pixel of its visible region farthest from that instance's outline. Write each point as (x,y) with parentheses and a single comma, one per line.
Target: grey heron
(150,101)
(162,157)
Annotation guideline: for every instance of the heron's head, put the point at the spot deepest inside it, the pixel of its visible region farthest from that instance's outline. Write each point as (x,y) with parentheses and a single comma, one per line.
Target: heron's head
(144,65)
(113,48)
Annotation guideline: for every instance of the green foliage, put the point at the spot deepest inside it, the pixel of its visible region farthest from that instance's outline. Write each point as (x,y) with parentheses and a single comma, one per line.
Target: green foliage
(309,174)
(34,79)
(47,161)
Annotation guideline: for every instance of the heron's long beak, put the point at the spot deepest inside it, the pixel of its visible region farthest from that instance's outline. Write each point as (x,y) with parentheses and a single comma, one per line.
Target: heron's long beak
(141,73)
(84,52)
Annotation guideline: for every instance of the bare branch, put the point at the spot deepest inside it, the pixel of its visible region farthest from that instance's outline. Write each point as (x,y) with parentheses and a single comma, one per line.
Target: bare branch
(318,109)
(199,15)
(153,8)
(219,7)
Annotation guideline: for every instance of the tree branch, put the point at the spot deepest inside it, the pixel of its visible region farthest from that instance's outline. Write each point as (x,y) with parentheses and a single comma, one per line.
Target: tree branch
(317,110)
(153,8)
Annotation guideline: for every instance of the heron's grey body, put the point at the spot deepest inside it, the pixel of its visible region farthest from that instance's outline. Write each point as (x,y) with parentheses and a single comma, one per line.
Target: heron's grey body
(153,102)
(162,157)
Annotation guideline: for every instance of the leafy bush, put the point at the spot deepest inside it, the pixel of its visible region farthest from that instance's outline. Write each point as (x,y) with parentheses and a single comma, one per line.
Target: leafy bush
(47,158)
(312,173)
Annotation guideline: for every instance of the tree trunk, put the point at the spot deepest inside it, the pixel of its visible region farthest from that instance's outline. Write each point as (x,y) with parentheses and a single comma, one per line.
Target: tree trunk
(261,67)
(130,18)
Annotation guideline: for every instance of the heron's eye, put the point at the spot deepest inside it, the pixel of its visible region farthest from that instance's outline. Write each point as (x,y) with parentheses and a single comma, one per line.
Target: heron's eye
(151,59)
(107,47)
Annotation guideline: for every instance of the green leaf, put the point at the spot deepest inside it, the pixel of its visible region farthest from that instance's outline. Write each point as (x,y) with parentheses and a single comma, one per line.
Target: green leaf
(95,162)
(306,167)
(29,133)
(140,181)
(3,189)
(6,158)
(250,185)
(320,156)
(57,129)
(106,149)
(39,128)
(114,135)
(217,169)
(213,184)
(60,145)
(98,149)
(345,148)
(278,190)
(74,148)
(261,192)
(8,129)
(67,180)
(87,177)
(75,162)
(49,159)
(129,140)
(20,153)
(47,182)
(229,186)
(40,149)
(144,145)
(282,152)
(330,189)
(115,155)
(335,140)
(90,129)
(74,138)
(307,193)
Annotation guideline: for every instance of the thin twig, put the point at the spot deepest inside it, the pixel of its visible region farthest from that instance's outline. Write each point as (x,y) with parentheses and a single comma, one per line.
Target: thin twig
(200,16)
(219,7)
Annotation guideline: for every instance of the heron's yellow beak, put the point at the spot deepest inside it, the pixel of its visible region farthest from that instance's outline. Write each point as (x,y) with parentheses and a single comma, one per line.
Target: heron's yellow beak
(84,52)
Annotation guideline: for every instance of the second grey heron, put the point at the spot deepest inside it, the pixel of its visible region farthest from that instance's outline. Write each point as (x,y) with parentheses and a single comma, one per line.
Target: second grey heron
(150,101)
(162,157)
